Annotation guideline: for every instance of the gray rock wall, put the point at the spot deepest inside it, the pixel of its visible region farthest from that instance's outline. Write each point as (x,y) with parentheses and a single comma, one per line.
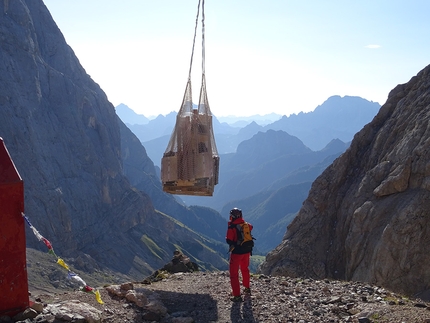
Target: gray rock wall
(367,216)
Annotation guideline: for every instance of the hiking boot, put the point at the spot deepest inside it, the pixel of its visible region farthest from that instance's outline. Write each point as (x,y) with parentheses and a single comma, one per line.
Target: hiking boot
(247,290)
(236,299)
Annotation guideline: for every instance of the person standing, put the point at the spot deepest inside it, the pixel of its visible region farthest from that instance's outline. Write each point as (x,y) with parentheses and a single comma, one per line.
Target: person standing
(239,255)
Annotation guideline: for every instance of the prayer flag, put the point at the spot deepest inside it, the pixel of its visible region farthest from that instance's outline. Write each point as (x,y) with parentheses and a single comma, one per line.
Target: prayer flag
(62,263)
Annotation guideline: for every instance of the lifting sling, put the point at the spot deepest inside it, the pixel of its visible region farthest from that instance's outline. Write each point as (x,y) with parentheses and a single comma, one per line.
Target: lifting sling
(190,163)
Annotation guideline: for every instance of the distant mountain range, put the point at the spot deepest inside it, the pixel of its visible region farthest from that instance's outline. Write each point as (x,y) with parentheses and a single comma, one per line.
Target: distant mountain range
(336,118)
(128,116)
(265,163)
(257,176)
(237,121)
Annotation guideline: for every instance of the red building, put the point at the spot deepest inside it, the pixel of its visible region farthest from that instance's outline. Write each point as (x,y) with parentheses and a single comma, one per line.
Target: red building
(13,270)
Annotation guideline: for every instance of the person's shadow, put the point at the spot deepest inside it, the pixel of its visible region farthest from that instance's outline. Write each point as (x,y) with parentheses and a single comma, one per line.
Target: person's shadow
(242,312)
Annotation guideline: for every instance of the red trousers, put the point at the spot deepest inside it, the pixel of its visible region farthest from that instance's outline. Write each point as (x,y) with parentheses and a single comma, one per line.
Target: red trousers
(237,262)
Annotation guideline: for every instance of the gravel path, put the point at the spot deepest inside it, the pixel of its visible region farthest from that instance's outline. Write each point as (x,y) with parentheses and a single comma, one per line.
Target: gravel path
(205,297)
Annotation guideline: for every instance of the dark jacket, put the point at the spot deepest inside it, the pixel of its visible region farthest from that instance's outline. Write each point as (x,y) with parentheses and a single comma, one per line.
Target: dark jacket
(232,237)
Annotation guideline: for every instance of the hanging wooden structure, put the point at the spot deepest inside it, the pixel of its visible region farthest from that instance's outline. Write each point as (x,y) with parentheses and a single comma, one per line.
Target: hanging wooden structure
(190,164)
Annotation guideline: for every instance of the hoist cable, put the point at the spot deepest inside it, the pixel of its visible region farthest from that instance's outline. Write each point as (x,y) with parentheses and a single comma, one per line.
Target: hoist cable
(203,37)
(194,40)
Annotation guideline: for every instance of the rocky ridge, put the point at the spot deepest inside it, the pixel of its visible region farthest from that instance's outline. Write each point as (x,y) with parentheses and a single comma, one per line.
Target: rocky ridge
(203,297)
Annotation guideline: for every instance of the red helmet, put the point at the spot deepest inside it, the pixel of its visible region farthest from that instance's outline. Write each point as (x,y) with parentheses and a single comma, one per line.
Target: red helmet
(236,213)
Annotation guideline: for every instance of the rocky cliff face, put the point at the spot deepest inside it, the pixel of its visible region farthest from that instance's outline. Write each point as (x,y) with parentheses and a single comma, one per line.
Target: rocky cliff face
(66,141)
(367,217)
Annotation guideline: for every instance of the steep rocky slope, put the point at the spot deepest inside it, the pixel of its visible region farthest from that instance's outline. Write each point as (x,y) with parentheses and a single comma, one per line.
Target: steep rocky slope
(68,146)
(367,215)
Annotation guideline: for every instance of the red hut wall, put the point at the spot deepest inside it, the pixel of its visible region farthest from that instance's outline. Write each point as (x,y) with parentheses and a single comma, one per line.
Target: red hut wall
(13,269)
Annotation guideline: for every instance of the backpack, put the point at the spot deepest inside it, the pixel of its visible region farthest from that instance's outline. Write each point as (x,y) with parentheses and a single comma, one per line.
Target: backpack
(244,236)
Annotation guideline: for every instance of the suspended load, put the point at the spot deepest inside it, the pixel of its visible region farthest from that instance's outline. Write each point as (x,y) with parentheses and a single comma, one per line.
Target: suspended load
(190,164)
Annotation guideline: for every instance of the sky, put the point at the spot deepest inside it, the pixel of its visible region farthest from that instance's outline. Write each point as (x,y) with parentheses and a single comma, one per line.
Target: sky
(261,56)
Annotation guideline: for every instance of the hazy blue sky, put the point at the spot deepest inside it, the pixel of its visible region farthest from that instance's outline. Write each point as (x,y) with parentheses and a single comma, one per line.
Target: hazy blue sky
(262,56)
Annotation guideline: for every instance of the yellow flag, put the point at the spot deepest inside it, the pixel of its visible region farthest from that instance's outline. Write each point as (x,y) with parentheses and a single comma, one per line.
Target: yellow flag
(62,263)
(98,298)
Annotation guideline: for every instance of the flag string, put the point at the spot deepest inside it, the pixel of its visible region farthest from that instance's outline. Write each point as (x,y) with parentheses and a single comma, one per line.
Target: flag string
(70,274)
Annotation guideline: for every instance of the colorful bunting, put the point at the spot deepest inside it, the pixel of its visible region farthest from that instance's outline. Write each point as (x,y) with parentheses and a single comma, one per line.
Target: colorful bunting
(70,274)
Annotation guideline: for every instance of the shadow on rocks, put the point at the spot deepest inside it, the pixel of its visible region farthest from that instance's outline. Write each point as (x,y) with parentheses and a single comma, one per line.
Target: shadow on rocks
(242,312)
(202,308)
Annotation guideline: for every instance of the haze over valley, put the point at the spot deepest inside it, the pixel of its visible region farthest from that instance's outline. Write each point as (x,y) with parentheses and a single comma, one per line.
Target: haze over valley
(261,159)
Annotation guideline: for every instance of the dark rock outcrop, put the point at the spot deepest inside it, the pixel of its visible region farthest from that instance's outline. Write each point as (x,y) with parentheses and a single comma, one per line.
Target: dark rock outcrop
(68,146)
(180,263)
(367,215)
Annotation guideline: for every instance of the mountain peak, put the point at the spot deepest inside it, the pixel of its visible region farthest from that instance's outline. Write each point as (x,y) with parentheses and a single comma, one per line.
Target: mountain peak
(128,115)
